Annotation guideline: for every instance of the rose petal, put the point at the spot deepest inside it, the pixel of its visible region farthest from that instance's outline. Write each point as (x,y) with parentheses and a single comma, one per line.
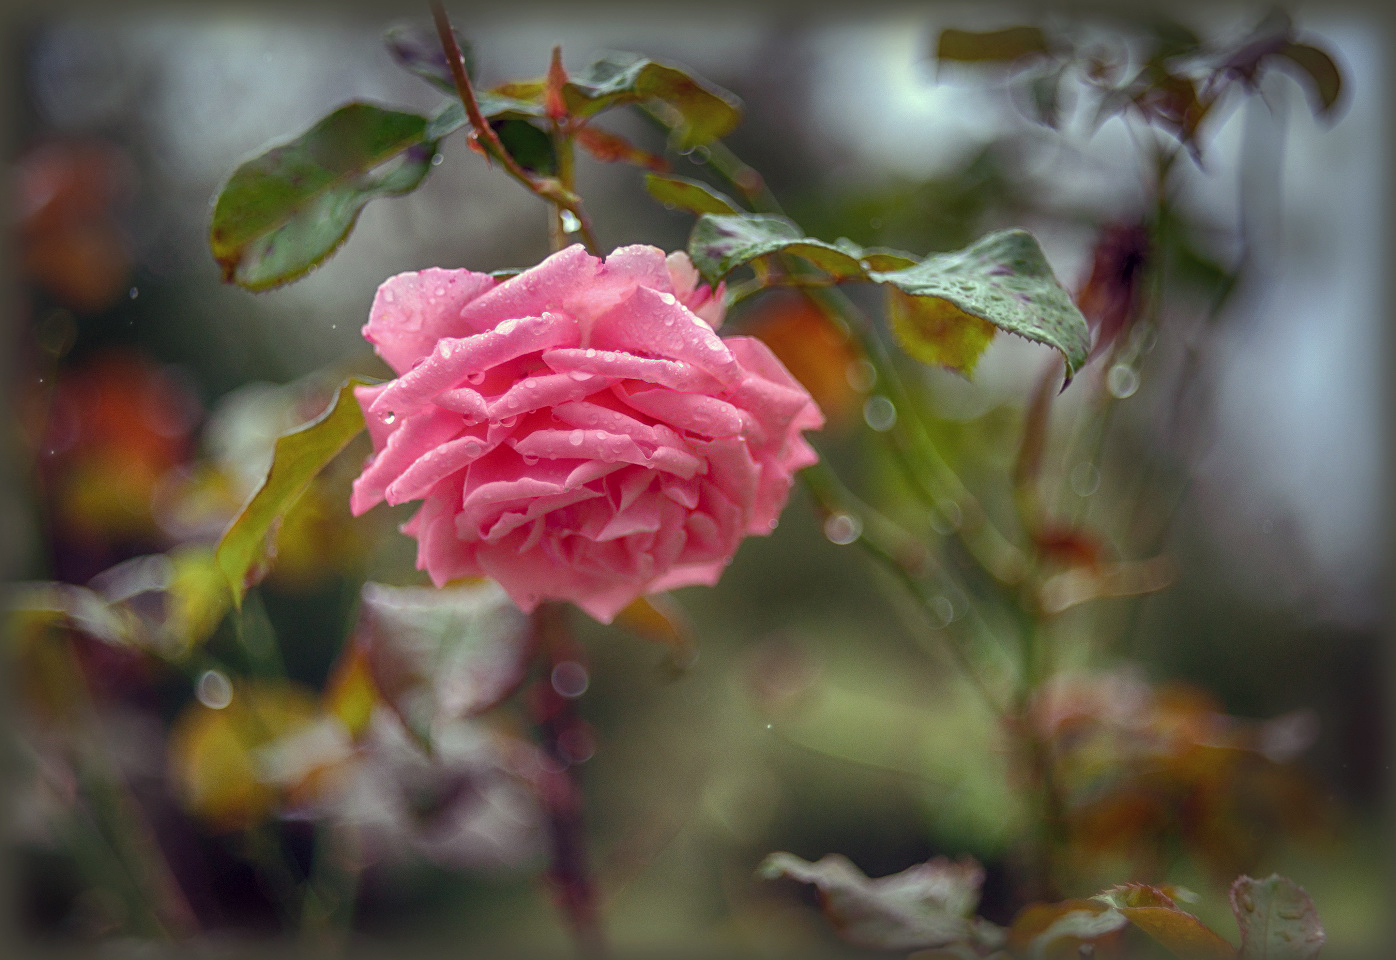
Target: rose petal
(536,290)
(412,311)
(651,323)
(455,359)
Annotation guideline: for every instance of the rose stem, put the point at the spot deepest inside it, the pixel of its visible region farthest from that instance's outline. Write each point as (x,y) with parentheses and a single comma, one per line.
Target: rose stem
(556,716)
(545,187)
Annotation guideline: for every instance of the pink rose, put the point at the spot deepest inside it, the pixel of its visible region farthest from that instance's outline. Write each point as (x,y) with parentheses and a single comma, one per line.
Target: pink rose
(577,432)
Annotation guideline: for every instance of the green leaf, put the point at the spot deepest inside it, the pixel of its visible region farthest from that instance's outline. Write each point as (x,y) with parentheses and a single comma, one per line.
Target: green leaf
(1002,46)
(417,48)
(1323,74)
(1003,279)
(297,458)
(703,112)
(719,244)
(1277,919)
(928,905)
(281,214)
(943,309)
(690,195)
(442,654)
(527,144)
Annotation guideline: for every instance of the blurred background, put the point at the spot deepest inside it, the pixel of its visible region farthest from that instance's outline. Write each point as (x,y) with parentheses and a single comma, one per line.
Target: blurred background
(142,396)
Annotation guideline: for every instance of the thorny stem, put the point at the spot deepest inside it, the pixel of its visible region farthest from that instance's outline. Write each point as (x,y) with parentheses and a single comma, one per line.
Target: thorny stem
(559,723)
(554,191)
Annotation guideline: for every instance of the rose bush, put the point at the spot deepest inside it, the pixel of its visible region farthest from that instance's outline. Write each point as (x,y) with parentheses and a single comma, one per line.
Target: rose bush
(577,432)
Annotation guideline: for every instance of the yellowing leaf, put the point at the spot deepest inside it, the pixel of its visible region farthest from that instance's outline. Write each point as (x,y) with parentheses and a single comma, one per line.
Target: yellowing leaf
(213,753)
(936,332)
(350,693)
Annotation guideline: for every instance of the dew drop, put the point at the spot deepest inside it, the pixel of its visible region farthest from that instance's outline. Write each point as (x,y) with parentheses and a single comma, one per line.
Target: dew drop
(579,375)
(437,159)
(1122,381)
(879,413)
(842,528)
(213,690)
(443,350)
(133,293)
(668,298)
(472,448)
(508,421)
(590,353)
(1084,479)
(944,609)
(388,296)
(570,223)
(570,679)
(528,459)
(774,523)
(441,291)
(390,417)
(477,377)
(576,437)
(530,383)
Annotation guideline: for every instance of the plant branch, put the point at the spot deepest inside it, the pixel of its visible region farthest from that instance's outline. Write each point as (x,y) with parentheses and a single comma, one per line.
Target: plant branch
(554,191)
(559,722)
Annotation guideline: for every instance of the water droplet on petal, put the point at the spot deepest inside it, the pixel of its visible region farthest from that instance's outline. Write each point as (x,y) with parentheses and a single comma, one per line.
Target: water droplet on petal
(390,417)
(387,296)
(842,528)
(476,377)
(579,375)
(1122,381)
(472,448)
(590,353)
(441,291)
(668,298)
(437,159)
(879,413)
(508,421)
(570,223)
(576,437)
(213,690)
(528,459)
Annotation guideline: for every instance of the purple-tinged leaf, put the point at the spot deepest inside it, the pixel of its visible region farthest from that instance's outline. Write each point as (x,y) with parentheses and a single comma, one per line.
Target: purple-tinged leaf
(928,905)
(1278,920)
(417,48)
(284,212)
(442,654)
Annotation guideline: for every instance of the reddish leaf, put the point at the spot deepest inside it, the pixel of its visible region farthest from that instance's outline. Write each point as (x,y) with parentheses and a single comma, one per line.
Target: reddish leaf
(553,103)
(613,148)
(1154,912)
